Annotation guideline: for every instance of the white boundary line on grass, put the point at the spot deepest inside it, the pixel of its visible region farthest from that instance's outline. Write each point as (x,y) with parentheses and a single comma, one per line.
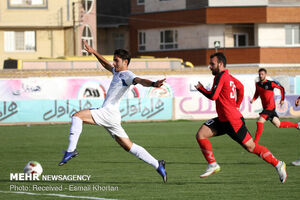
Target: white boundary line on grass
(56,195)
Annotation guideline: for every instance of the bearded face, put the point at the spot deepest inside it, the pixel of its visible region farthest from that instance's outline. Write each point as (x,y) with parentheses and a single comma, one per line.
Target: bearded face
(262,75)
(214,66)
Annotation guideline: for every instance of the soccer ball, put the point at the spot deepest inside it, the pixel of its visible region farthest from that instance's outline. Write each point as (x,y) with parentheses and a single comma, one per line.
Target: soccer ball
(33,167)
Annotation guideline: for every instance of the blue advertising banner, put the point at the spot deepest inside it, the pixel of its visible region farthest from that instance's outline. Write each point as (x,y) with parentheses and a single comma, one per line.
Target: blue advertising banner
(146,109)
(62,110)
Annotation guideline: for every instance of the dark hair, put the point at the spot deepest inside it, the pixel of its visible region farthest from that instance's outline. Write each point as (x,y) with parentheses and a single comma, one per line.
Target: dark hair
(262,70)
(221,57)
(123,54)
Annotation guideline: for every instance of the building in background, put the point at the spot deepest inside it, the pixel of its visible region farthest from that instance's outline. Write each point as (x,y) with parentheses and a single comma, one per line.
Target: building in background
(112,25)
(30,29)
(249,32)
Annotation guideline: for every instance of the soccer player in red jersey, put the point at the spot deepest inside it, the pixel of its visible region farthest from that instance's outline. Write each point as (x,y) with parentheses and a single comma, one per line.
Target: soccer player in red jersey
(297,162)
(228,93)
(264,90)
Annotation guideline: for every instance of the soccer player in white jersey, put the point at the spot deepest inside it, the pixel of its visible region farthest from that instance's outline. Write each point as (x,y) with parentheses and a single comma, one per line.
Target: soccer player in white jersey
(109,115)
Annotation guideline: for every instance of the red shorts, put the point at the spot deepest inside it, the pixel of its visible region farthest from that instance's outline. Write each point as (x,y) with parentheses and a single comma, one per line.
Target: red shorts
(237,131)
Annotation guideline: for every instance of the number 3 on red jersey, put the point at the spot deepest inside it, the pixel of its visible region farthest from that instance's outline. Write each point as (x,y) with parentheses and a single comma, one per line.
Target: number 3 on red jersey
(233,90)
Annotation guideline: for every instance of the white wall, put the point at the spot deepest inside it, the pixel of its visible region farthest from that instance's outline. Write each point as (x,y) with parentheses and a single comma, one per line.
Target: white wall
(157,5)
(227,3)
(152,39)
(189,37)
(271,35)
(216,33)
(193,37)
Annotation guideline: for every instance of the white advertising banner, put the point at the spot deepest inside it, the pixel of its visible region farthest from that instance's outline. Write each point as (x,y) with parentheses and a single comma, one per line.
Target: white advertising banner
(186,101)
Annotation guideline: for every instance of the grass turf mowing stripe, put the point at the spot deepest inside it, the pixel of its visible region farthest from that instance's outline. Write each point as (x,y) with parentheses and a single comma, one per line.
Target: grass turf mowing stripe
(56,195)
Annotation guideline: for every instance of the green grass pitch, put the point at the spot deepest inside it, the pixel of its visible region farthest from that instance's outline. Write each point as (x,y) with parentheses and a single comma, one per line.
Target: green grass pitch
(242,176)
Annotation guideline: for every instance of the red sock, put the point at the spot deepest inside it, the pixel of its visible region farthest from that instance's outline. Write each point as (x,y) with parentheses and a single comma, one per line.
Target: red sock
(206,149)
(258,131)
(285,124)
(265,154)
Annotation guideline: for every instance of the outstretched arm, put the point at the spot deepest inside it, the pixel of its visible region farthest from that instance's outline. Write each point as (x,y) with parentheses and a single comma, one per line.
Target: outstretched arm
(215,90)
(100,58)
(239,92)
(276,84)
(148,83)
(256,94)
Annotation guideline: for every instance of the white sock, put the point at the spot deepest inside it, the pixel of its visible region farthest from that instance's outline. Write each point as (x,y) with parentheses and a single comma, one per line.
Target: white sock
(75,132)
(142,154)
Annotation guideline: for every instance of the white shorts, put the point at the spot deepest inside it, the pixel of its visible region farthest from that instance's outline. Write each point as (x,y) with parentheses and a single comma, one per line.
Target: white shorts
(110,119)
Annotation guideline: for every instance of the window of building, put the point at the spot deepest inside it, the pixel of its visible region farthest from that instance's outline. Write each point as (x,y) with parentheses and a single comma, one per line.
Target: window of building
(27,3)
(168,39)
(19,41)
(140,2)
(87,5)
(119,40)
(142,41)
(87,36)
(292,34)
(240,39)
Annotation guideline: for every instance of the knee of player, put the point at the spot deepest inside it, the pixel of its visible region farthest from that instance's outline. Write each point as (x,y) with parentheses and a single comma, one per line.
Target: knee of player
(250,146)
(199,135)
(76,115)
(277,125)
(250,149)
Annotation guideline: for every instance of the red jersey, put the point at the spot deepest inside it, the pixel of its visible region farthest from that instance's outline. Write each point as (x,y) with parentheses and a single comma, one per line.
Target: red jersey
(228,93)
(265,91)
